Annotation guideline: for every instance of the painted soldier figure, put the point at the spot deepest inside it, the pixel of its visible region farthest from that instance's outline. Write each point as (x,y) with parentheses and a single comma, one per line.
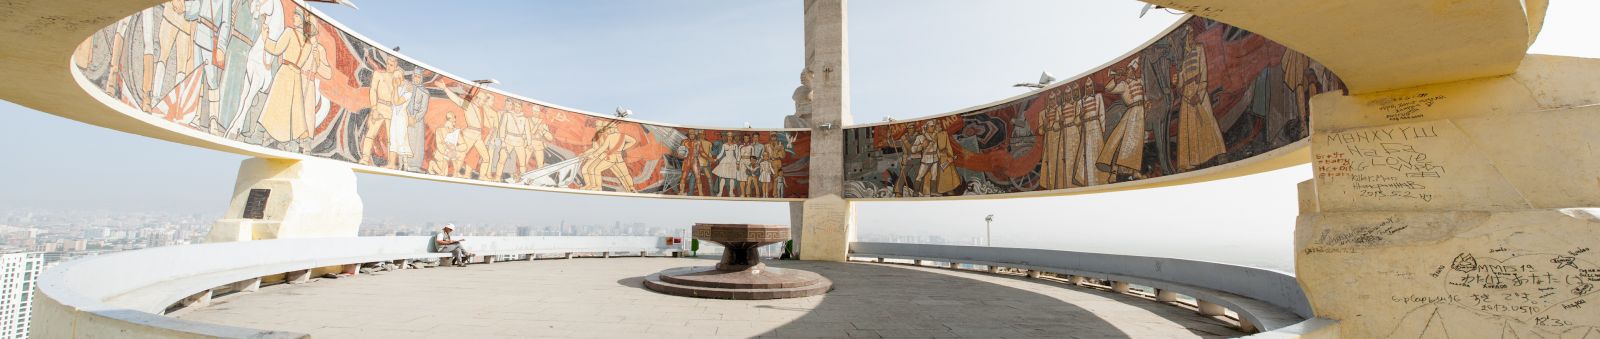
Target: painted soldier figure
(696,154)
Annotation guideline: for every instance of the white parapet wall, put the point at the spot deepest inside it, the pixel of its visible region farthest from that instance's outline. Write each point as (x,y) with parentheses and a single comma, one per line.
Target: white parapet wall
(1269,299)
(122,295)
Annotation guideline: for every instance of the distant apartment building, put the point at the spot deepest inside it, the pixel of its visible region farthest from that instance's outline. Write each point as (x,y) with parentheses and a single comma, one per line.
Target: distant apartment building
(46,247)
(17,274)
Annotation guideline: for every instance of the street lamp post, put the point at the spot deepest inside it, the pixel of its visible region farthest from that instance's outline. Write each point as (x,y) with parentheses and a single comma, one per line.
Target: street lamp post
(988,233)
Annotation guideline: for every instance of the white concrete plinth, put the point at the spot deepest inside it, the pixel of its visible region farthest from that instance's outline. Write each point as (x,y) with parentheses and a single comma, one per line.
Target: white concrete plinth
(297,277)
(305,198)
(1119,287)
(1208,308)
(1166,296)
(251,285)
(201,299)
(828,229)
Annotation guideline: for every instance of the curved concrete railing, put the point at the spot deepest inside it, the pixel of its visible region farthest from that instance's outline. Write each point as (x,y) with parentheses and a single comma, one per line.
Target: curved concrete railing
(123,294)
(279,77)
(1267,300)
(1202,101)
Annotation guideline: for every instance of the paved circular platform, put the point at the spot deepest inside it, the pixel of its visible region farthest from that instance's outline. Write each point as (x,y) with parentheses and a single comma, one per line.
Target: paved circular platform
(755,284)
(604,298)
(711,277)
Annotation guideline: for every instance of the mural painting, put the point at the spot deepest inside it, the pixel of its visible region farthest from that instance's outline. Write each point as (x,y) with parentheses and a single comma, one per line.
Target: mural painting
(1203,95)
(273,74)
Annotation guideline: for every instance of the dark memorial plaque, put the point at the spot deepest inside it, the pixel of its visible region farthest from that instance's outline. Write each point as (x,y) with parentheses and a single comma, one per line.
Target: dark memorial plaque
(255,206)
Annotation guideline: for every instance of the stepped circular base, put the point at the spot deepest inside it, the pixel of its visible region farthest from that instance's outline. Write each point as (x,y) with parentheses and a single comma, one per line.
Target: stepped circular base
(759,283)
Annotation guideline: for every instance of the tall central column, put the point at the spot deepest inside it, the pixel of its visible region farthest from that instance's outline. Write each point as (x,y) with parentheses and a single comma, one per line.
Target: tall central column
(826,220)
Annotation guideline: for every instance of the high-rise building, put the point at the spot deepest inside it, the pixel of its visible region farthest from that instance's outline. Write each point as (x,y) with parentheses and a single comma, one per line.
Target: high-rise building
(17,273)
(523,231)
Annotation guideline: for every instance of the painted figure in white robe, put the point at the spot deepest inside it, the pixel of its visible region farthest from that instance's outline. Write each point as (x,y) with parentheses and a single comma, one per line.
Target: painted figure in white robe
(728,171)
(1123,153)
(386,98)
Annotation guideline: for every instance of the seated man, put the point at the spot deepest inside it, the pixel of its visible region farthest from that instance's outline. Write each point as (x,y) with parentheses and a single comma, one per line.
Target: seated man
(443,243)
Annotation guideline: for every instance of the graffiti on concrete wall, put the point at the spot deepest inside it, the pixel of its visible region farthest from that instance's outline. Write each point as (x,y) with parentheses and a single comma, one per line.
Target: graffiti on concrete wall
(1203,95)
(1523,274)
(272,73)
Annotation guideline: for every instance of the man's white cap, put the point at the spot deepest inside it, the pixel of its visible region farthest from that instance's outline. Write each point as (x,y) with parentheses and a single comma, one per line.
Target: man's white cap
(450,226)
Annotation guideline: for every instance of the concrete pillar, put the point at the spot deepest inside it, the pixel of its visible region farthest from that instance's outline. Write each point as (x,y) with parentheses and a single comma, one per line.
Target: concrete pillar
(797,212)
(248,285)
(1246,326)
(916,262)
(1166,296)
(994,269)
(954,266)
(568,256)
(606,255)
(1208,308)
(286,198)
(198,299)
(1033,274)
(401,263)
(1119,287)
(1075,280)
(1444,190)
(878,260)
(351,269)
(641,254)
(298,277)
(826,220)
(488,259)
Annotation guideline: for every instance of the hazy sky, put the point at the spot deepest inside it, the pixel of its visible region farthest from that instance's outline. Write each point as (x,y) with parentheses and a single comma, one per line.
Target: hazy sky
(725,63)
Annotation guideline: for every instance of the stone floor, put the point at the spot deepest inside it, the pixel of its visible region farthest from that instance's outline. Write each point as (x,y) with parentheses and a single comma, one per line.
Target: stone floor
(603,298)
